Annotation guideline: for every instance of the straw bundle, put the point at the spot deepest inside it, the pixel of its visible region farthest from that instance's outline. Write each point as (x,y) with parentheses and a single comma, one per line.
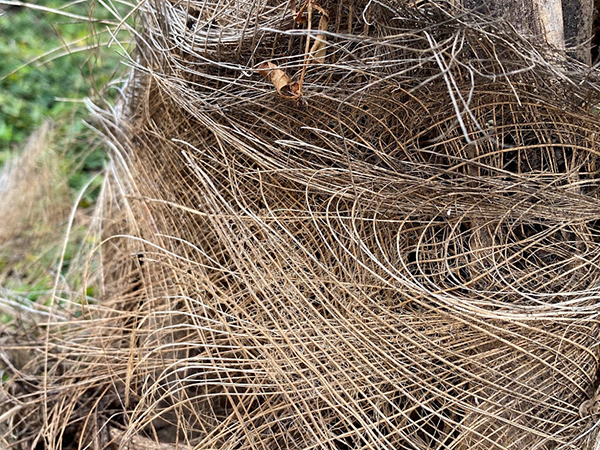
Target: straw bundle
(340,225)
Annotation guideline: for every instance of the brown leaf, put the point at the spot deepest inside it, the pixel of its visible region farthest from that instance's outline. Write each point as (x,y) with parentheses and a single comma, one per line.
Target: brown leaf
(283,83)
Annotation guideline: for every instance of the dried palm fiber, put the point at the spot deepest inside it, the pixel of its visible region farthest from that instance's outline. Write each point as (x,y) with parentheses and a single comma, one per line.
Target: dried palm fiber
(400,252)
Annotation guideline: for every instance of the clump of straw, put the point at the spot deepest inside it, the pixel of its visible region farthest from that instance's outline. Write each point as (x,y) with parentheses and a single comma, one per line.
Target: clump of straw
(342,225)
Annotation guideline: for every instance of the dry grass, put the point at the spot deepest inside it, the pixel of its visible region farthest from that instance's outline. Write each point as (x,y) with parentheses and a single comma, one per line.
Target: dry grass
(399,252)
(26,185)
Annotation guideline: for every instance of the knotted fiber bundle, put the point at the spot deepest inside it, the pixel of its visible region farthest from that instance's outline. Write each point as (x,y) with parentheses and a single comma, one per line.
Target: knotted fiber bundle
(340,225)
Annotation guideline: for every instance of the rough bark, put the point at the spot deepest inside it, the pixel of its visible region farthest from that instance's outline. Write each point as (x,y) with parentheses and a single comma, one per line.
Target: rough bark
(541,18)
(562,24)
(578,18)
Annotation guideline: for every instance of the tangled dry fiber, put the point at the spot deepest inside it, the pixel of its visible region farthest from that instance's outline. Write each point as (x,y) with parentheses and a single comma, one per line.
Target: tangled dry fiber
(387,237)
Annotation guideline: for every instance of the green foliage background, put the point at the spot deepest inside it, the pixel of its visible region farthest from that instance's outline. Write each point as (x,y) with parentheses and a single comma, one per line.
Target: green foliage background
(41,79)
(48,64)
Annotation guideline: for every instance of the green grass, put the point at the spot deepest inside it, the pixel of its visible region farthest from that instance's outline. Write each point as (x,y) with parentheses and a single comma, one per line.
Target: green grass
(33,87)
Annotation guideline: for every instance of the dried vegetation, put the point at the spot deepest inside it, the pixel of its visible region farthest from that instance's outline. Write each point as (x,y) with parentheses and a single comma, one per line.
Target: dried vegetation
(339,225)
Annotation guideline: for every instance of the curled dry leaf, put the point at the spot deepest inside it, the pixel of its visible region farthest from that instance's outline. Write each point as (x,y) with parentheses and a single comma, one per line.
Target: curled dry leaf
(283,83)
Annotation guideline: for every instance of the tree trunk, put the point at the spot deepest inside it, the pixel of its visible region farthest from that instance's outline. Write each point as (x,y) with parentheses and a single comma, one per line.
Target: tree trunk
(561,24)
(578,18)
